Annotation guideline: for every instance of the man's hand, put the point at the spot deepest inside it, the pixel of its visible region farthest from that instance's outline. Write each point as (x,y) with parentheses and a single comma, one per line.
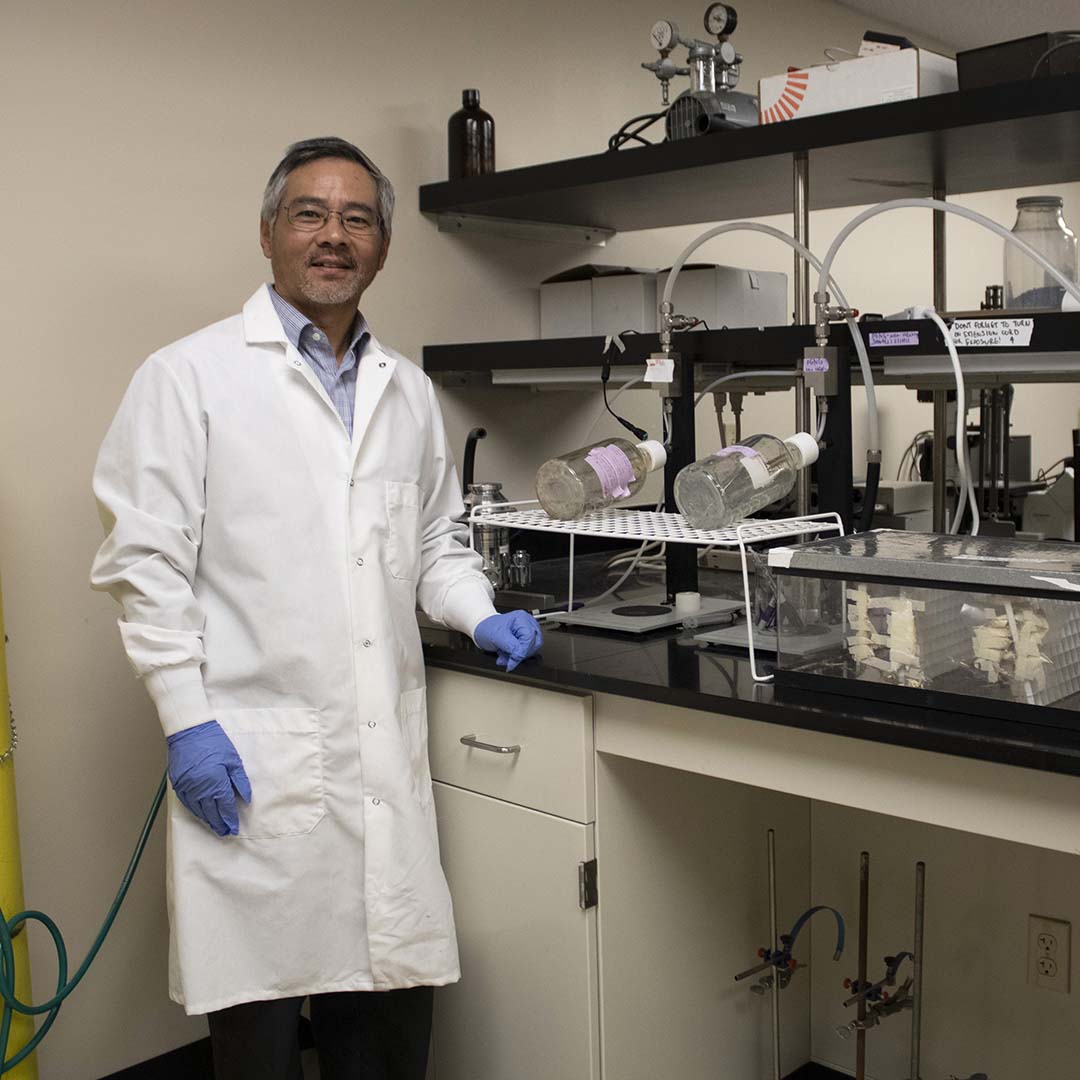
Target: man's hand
(206,773)
(515,636)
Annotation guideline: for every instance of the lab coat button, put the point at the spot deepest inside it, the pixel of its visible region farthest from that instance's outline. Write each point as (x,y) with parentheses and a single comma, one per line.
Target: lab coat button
(367,643)
(371,723)
(352,483)
(375,802)
(359,562)
(382,363)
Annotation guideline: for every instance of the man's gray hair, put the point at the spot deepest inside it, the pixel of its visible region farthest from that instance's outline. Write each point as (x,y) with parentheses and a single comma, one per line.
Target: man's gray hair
(301,153)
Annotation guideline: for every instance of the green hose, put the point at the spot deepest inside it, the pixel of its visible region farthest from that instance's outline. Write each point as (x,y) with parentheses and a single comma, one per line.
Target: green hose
(64,986)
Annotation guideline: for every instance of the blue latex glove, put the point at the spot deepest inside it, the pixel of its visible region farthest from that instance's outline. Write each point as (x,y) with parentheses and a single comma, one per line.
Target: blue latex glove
(207,774)
(515,636)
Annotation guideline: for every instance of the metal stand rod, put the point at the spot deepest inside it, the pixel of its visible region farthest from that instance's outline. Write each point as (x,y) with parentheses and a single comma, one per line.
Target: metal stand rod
(939,253)
(917,965)
(940,418)
(773,942)
(864,933)
(941,437)
(801,209)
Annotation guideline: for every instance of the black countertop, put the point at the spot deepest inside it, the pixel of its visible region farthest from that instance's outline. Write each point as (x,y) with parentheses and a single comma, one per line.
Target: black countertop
(670,667)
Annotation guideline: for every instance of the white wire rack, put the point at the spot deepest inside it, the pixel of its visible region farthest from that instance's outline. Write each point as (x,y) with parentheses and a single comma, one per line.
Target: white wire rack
(652,526)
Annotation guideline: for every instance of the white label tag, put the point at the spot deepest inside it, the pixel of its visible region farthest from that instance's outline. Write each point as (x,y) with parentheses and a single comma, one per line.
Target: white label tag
(751,461)
(992,333)
(659,369)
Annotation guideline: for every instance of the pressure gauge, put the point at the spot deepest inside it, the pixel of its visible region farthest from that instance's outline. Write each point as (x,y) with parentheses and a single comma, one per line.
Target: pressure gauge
(726,54)
(720,19)
(664,35)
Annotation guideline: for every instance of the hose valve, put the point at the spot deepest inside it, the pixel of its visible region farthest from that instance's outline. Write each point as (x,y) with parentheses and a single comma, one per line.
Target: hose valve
(826,314)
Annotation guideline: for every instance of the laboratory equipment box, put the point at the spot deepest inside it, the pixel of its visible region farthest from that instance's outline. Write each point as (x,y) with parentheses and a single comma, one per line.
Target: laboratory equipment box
(594,300)
(852,84)
(983,625)
(729,296)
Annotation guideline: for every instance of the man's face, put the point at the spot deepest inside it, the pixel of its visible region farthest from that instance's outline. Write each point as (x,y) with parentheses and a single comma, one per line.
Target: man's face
(330,266)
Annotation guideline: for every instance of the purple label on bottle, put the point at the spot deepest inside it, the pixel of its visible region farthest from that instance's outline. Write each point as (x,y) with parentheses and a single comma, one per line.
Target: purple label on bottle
(742,451)
(613,468)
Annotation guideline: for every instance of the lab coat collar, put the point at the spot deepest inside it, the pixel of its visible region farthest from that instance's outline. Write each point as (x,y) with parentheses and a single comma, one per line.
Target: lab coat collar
(262,326)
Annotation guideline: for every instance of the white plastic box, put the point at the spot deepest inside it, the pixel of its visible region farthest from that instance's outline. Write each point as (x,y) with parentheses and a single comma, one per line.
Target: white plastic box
(729,296)
(596,300)
(853,84)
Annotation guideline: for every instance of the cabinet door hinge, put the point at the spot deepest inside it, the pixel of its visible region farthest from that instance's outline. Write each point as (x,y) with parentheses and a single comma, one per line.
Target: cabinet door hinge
(587,892)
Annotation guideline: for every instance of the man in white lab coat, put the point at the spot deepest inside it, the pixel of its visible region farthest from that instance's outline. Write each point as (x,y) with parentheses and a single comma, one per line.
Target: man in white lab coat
(278,495)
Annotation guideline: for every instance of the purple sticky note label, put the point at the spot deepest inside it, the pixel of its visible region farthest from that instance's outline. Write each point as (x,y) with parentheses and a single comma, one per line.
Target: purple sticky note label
(742,451)
(613,468)
(815,363)
(892,338)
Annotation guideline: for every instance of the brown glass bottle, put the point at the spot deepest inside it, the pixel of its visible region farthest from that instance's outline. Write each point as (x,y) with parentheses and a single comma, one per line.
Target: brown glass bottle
(470,138)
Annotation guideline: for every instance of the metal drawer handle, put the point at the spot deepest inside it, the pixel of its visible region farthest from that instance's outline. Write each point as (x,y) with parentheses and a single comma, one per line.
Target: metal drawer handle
(476,744)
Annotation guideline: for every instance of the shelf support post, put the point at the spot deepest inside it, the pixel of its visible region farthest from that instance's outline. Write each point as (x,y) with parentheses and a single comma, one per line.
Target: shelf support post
(681,559)
(801,210)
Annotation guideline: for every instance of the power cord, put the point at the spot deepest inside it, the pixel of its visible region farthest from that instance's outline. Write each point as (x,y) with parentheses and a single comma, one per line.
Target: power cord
(64,985)
(623,136)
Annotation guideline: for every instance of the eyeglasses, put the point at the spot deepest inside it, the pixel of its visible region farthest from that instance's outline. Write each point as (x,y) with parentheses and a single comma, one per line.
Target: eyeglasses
(310,217)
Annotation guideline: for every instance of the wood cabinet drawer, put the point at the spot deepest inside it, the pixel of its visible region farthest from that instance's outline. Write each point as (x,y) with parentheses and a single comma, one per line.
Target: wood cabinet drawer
(553,769)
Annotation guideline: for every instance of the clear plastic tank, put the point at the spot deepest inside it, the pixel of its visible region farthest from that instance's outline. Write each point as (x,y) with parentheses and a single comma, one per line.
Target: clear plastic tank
(596,476)
(1040,224)
(739,480)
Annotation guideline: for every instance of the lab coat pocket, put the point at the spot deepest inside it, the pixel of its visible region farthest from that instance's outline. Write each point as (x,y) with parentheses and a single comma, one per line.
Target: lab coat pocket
(403,529)
(282,754)
(414,732)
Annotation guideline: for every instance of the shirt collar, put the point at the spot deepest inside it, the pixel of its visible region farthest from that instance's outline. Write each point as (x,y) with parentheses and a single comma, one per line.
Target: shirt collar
(295,323)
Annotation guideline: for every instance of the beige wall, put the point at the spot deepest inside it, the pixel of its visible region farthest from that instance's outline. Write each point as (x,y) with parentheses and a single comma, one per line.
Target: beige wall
(138,138)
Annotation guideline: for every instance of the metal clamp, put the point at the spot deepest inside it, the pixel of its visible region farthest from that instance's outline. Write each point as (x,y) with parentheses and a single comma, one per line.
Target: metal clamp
(476,744)
(10,751)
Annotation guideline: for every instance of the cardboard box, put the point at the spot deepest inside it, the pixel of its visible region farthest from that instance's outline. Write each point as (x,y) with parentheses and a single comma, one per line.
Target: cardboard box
(729,296)
(853,84)
(593,300)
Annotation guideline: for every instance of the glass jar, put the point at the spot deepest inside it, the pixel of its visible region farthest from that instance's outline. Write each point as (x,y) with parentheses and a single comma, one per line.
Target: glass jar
(1039,223)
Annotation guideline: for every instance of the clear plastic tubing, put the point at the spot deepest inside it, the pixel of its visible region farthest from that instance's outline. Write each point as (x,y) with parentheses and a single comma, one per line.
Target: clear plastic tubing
(738,481)
(596,476)
(873,435)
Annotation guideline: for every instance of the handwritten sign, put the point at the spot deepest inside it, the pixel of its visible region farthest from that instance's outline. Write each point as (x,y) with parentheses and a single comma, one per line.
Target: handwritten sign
(992,333)
(892,338)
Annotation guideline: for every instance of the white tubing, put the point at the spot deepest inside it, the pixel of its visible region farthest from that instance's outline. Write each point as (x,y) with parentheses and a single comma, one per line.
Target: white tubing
(966,482)
(873,430)
(939,204)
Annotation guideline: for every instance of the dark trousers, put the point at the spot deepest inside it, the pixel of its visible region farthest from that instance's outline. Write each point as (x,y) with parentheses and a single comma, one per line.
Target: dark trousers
(370,1035)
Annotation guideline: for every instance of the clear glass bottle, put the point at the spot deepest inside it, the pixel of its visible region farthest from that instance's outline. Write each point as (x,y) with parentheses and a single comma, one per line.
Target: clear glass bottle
(470,139)
(736,482)
(596,476)
(1040,224)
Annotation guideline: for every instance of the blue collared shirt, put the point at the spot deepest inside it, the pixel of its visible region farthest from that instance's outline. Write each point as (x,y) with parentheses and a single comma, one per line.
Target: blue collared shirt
(339,380)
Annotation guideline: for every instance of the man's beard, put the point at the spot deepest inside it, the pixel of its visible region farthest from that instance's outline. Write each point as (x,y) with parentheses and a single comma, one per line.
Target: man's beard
(332,292)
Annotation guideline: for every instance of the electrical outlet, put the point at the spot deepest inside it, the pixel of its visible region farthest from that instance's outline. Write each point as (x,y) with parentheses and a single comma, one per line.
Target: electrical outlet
(1049,953)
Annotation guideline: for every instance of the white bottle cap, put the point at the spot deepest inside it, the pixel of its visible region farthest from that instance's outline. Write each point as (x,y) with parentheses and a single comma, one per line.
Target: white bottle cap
(687,603)
(806,445)
(655,452)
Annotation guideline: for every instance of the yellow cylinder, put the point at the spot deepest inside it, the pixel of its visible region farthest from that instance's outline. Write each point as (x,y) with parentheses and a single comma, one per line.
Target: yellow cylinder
(11,889)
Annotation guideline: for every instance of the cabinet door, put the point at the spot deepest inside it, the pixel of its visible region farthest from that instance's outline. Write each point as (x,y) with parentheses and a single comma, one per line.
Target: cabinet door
(526,1007)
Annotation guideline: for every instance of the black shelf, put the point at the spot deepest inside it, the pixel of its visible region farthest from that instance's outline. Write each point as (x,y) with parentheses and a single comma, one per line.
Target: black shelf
(774,346)
(997,137)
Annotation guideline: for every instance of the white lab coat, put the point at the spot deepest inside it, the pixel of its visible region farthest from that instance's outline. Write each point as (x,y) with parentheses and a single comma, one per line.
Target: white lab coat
(268,570)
